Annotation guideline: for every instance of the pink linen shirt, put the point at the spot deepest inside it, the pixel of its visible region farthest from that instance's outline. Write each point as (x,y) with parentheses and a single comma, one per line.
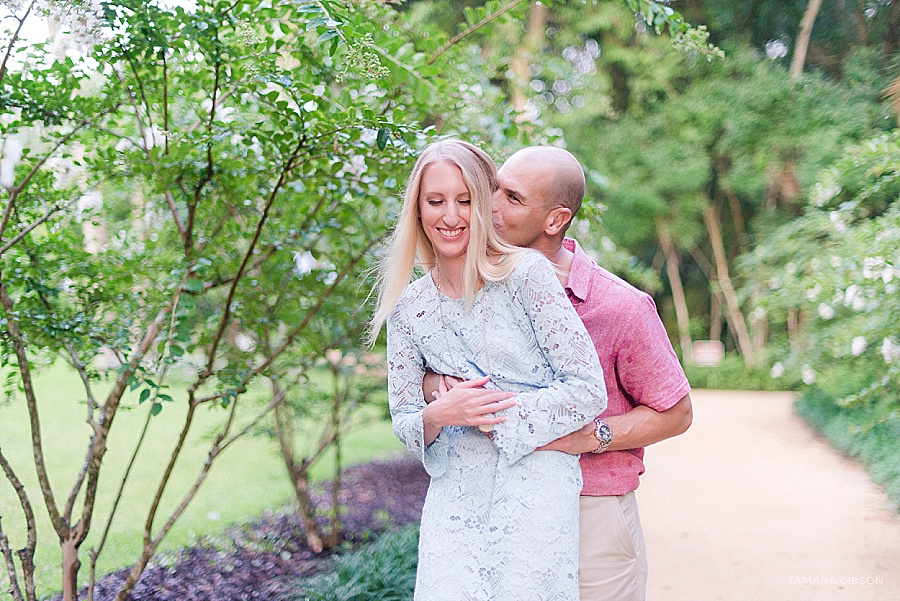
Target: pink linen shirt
(639,364)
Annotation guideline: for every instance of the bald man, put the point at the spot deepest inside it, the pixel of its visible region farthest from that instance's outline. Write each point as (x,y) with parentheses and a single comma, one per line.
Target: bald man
(540,191)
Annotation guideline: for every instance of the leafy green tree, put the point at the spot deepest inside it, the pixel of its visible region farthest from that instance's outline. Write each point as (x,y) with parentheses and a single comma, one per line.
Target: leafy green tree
(734,149)
(241,161)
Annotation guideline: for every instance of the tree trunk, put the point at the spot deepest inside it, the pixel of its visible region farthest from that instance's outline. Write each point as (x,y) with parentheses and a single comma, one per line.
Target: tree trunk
(733,310)
(537,23)
(337,403)
(793,329)
(681,307)
(715,316)
(802,44)
(737,217)
(298,473)
(70,566)
(759,330)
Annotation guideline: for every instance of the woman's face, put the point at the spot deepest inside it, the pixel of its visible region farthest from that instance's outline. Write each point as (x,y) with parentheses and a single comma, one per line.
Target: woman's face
(444,206)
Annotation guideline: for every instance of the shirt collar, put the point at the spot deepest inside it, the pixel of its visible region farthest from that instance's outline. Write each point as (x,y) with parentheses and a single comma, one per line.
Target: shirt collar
(579,280)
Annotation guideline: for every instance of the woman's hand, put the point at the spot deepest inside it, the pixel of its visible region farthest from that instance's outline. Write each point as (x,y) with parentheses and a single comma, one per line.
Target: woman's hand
(466,404)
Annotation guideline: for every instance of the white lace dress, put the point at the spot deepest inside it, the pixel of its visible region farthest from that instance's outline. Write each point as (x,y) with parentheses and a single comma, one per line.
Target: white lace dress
(500,521)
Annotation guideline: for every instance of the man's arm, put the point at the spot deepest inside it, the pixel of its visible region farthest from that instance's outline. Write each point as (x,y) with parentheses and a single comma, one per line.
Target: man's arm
(640,427)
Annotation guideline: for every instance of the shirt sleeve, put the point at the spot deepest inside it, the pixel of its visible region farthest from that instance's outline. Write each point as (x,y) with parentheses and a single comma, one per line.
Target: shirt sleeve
(406,369)
(577,392)
(647,367)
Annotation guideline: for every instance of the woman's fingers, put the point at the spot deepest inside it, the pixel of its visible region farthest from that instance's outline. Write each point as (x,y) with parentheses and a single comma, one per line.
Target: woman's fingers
(476,383)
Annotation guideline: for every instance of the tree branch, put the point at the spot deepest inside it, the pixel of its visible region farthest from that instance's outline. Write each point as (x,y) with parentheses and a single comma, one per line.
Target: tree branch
(95,551)
(92,405)
(14,589)
(110,407)
(15,334)
(14,38)
(26,554)
(207,177)
(472,28)
(50,212)
(226,313)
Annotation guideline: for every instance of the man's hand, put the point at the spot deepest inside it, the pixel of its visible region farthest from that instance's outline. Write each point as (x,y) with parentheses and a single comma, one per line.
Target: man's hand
(431,384)
(575,443)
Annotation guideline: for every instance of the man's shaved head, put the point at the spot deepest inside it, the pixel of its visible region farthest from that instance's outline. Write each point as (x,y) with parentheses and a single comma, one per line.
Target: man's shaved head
(560,175)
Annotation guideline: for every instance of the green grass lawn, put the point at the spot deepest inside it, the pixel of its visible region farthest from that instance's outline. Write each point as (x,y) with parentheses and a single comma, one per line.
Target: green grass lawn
(246,480)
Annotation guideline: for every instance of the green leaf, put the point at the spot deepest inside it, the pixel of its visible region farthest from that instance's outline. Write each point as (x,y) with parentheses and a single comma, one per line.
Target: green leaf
(327,35)
(381,140)
(155,409)
(145,394)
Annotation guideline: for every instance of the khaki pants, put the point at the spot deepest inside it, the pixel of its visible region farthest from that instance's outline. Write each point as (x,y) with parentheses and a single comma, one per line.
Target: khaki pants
(612,561)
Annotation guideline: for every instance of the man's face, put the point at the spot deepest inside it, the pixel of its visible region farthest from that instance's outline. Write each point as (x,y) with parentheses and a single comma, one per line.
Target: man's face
(519,209)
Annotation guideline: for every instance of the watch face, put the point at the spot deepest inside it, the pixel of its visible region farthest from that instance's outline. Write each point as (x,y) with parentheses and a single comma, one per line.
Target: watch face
(604,433)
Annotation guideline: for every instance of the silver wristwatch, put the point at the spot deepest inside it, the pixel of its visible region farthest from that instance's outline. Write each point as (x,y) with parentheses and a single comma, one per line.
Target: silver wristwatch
(603,434)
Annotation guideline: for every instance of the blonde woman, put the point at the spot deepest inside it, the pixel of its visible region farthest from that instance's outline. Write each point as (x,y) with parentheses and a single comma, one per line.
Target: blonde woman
(500,520)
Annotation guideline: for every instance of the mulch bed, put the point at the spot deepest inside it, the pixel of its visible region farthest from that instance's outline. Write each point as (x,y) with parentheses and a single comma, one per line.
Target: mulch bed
(265,558)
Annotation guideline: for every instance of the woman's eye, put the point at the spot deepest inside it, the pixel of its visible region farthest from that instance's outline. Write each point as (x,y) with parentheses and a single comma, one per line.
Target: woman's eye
(434,203)
(465,201)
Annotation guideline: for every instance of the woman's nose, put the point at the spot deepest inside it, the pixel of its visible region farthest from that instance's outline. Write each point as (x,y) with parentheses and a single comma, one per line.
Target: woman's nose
(451,213)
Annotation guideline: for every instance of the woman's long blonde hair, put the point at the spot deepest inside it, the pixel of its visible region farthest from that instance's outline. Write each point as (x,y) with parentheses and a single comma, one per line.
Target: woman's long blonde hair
(408,245)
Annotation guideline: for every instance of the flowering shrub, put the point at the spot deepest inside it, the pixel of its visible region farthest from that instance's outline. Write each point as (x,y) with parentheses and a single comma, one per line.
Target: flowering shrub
(834,273)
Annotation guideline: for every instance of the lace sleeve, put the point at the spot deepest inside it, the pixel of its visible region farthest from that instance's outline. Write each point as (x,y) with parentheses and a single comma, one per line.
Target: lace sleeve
(406,368)
(577,393)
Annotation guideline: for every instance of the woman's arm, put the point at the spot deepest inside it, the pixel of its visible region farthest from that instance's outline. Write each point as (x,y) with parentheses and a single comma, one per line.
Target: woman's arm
(417,425)
(577,392)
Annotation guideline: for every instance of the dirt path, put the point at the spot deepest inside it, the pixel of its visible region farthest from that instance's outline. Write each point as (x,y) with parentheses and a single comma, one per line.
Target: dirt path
(751,505)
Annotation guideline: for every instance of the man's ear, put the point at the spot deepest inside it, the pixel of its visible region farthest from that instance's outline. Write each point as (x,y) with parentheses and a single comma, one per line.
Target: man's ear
(557,220)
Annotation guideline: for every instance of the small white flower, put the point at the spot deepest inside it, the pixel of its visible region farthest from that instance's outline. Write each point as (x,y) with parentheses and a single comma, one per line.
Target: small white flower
(837,221)
(825,311)
(888,274)
(813,293)
(822,192)
(213,516)
(850,294)
(304,263)
(872,267)
(890,349)
(10,153)
(244,342)
(607,244)
(858,345)
(807,374)
(790,268)
(777,370)
(835,261)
